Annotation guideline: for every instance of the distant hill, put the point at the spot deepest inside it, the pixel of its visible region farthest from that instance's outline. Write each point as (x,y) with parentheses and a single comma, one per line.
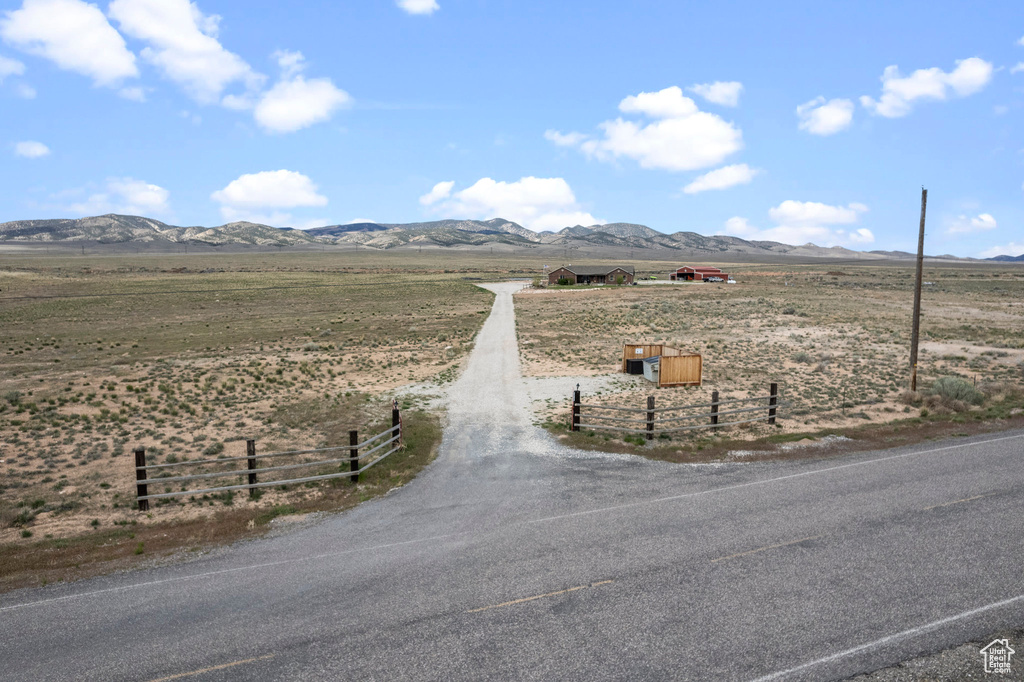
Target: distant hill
(895,254)
(117,229)
(1009,259)
(124,229)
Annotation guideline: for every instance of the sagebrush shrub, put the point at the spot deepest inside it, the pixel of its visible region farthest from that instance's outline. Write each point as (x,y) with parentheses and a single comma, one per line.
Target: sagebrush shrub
(956,393)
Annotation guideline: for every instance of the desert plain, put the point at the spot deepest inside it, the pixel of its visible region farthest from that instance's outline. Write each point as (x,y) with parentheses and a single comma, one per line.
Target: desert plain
(188,356)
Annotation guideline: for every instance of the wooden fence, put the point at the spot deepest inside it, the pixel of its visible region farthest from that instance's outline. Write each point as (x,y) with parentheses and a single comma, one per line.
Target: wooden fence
(391,436)
(652,420)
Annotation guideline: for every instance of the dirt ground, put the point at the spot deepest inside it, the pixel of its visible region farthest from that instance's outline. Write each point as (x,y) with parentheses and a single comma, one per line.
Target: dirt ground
(189,356)
(835,340)
(190,361)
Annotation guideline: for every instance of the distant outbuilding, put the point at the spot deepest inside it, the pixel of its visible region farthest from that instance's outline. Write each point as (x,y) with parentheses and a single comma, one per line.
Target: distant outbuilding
(592,274)
(698,274)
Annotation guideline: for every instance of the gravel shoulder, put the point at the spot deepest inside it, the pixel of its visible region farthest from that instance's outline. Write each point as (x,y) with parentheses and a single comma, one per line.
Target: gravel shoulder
(957,664)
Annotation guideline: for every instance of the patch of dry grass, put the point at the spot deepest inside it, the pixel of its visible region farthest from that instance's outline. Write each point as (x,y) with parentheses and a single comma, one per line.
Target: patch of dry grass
(189,361)
(837,342)
(143,539)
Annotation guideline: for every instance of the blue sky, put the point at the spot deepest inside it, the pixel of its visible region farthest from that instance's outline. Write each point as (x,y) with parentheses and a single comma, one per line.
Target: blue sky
(788,121)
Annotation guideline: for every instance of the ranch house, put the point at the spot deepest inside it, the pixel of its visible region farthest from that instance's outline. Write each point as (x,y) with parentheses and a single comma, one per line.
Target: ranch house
(691,274)
(601,274)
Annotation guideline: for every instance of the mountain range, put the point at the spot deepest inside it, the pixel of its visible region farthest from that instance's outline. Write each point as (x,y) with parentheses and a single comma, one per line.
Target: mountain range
(128,230)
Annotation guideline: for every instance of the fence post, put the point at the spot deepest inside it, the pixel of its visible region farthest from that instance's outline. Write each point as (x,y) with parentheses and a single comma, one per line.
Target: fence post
(650,417)
(396,420)
(250,452)
(773,400)
(141,489)
(353,441)
(714,409)
(576,410)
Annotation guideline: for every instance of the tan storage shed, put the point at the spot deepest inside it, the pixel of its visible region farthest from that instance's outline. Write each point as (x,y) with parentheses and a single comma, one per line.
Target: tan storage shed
(675,367)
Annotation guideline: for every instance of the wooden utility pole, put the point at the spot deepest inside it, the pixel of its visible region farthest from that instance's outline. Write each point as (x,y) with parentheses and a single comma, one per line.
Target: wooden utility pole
(915,331)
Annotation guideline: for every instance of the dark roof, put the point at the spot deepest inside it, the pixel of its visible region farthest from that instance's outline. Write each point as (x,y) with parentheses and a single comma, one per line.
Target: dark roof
(591,270)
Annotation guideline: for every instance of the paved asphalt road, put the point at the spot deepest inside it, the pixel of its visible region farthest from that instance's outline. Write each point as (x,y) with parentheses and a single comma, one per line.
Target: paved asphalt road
(512,558)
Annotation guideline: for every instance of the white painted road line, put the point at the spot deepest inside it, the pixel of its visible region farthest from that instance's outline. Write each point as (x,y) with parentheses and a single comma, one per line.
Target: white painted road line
(921,629)
(750,484)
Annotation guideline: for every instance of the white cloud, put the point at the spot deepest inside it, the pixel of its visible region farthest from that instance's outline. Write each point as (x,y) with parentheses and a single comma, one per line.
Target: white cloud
(294,102)
(861,236)
(419,6)
(126,195)
(184,46)
(804,213)
(535,203)
(564,139)
(667,103)
(726,93)
(1017,68)
(801,222)
(819,117)
(797,235)
(1011,249)
(10,67)
(31,149)
(899,92)
(243,197)
(298,103)
(290,63)
(74,35)
(738,227)
(676,144)
(722,178)
(979,223)
(680,138)
(441,190)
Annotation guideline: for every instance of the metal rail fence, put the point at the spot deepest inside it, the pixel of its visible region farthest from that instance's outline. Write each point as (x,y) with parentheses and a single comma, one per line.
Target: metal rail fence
(653,420)
(392,436)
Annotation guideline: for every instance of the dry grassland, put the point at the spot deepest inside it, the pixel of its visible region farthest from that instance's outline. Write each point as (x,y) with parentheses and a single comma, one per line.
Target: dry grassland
(836,340)
(190,356)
